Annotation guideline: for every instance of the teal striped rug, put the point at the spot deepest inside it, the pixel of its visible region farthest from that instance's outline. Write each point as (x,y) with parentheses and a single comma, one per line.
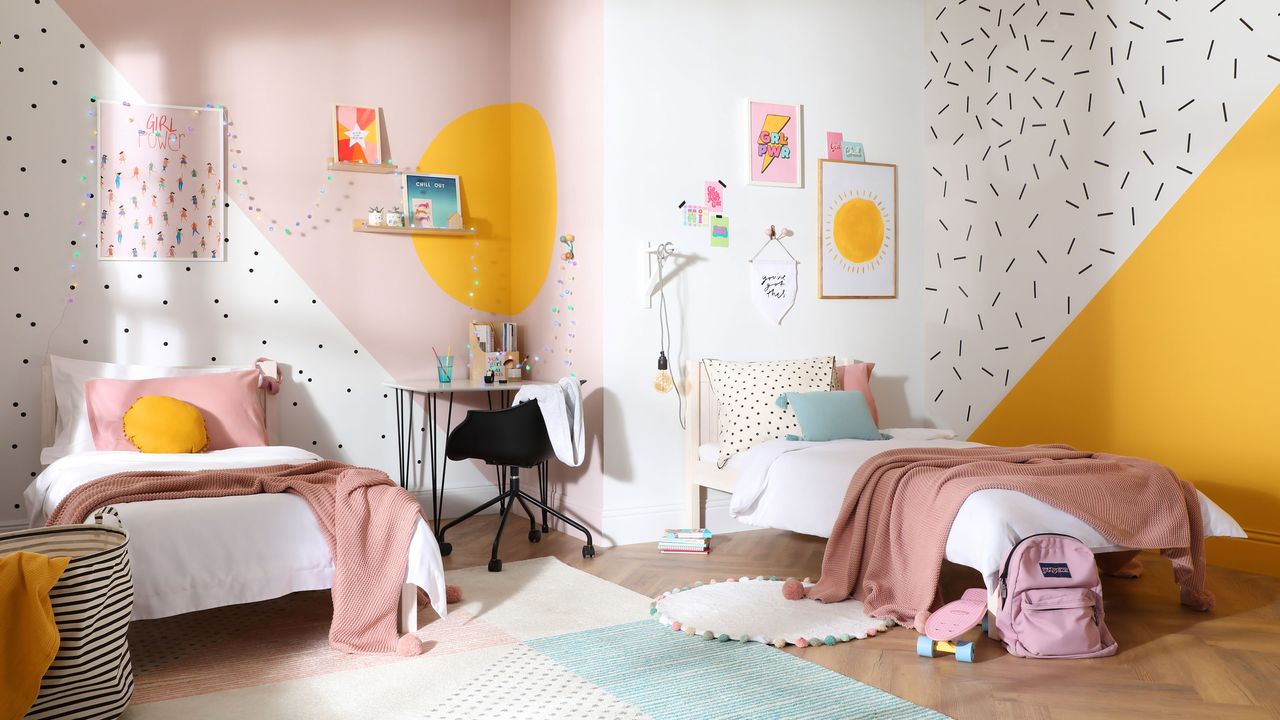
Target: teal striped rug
(643,671)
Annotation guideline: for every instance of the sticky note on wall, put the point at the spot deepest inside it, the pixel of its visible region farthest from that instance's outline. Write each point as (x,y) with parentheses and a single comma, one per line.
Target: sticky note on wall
(720,231)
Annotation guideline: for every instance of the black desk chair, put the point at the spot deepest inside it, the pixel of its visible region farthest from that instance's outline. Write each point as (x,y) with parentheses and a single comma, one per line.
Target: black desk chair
(510,439)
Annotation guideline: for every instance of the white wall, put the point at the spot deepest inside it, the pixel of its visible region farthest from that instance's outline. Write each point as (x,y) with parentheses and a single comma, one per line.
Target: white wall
(676,78)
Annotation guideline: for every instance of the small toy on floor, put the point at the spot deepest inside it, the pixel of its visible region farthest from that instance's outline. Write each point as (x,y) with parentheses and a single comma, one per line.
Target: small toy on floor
(950,622)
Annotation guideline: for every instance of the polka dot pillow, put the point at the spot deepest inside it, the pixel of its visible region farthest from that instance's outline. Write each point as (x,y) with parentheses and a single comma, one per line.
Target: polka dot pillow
(747,392)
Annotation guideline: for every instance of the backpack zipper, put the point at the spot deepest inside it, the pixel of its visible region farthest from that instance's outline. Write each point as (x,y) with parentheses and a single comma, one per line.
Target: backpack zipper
(1004,574)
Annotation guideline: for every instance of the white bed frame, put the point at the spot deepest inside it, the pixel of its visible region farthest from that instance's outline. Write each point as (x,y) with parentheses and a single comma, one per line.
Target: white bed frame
(408,612)
(702,425)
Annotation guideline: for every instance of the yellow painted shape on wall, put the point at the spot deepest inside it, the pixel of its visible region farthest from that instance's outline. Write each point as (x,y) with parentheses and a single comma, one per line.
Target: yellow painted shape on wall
(507,169)
(1177,358)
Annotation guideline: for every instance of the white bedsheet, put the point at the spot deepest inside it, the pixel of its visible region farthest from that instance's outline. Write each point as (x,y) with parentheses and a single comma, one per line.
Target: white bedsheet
(199,553)
(800,486)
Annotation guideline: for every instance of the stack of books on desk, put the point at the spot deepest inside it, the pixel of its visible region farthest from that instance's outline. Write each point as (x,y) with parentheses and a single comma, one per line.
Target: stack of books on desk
(685,541)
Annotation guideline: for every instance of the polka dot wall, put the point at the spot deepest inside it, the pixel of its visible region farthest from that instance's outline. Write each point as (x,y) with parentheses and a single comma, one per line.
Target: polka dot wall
(1058,135)
(58,299)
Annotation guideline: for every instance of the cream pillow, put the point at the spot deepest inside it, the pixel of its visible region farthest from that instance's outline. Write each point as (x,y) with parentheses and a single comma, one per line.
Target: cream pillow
(747,392)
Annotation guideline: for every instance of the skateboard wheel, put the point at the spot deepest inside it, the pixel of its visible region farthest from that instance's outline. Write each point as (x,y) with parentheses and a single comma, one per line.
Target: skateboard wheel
(964,652)
(924,646)
(986,623)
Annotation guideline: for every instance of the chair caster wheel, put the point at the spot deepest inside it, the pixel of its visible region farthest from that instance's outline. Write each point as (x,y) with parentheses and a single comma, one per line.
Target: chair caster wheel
(445,548)
(495,566)
(588,551)
(534,536)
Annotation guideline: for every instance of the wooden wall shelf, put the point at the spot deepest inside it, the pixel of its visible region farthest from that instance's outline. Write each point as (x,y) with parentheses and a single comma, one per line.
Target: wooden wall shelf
(361,167)
(360,226)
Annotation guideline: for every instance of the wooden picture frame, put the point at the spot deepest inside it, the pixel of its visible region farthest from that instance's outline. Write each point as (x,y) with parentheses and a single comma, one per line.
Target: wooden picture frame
(857,230)
(371,145)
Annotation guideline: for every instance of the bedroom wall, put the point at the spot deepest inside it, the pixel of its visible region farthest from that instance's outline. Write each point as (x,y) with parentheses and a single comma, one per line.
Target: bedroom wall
(674,118)
(1099,231)
(346,311)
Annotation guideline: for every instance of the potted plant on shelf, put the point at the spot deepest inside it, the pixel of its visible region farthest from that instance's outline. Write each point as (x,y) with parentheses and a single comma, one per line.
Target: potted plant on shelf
(394,218)
(375,217)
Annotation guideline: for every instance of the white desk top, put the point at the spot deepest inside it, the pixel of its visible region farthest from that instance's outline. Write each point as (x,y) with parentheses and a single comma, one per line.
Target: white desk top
(461,385)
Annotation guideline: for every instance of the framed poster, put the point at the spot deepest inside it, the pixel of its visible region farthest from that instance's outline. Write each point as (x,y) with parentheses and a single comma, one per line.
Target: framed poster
(160,182)
(775,145)
(858,230)
(357,136)
(430,200)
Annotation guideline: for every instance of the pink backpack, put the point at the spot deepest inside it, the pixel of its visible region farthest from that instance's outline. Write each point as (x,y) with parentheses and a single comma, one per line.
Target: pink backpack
(1051,600)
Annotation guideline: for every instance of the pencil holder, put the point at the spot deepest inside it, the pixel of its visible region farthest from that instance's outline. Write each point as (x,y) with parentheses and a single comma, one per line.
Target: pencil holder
(444,368)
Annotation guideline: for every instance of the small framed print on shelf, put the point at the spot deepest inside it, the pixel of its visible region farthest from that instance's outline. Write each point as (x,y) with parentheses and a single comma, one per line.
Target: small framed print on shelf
(430,200)
(357,135)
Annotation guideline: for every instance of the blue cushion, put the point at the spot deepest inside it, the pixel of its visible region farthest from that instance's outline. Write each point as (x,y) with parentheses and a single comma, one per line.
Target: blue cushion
(835,415)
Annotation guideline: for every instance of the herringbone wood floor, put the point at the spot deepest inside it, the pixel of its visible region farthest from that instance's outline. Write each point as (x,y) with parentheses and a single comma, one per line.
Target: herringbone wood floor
(1173,662)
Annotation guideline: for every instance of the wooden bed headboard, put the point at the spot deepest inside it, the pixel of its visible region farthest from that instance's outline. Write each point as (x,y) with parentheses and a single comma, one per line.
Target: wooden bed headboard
(702,426)
(49,408)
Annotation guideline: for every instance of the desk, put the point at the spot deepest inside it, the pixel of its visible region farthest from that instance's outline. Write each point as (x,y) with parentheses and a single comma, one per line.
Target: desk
(407,393)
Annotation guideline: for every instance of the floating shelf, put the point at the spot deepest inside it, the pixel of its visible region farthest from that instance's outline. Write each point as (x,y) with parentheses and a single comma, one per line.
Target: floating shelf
(360,226)
(361,167)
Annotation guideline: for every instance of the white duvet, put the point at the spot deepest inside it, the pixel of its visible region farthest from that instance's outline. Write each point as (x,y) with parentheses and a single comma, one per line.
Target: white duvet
(199,553)
(800,486)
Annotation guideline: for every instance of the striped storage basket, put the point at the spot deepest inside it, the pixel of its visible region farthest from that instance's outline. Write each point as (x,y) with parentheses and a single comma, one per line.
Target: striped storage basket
(92,676)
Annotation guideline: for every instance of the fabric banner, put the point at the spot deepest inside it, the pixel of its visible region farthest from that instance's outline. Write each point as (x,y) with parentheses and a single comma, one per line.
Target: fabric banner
(773,287)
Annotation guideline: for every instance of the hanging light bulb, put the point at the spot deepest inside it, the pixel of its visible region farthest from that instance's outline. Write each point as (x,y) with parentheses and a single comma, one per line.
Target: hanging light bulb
(663,382)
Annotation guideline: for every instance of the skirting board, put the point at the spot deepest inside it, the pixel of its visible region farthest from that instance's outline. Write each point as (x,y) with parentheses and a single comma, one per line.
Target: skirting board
(458,500)
(12,526)
(629,526)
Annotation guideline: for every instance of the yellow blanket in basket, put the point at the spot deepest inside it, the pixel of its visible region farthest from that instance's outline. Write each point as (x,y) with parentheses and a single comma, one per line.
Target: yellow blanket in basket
(28,635)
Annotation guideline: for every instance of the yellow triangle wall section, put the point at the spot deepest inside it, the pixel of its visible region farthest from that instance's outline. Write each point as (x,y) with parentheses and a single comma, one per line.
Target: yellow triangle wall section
(1177,358)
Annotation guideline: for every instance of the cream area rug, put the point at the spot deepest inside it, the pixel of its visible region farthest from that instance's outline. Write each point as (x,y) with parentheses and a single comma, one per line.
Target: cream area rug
(754,610)
(538,640)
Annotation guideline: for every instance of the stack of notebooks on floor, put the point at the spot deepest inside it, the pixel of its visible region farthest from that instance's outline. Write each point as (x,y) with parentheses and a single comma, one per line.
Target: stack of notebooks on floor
(685,541)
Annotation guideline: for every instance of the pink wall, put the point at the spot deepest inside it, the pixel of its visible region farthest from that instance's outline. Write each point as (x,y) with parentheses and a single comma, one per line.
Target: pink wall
(557,56)
(280,66)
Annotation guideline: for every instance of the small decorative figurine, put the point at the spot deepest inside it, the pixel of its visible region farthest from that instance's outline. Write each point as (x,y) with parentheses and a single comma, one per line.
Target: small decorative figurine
(375,217)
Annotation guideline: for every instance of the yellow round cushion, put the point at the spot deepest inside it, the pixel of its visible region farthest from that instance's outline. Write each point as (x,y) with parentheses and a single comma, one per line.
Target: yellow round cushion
(160,424)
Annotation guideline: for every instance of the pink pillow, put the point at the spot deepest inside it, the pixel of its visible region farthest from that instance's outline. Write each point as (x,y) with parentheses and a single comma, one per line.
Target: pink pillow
(230,403)
(858,377)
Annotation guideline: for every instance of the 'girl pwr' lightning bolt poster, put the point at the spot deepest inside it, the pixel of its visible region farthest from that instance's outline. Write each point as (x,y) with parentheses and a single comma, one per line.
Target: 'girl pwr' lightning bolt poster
(160,183)
(775,144)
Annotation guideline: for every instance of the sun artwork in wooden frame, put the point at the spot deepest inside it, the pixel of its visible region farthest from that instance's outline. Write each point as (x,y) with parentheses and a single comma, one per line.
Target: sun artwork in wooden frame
(858,229)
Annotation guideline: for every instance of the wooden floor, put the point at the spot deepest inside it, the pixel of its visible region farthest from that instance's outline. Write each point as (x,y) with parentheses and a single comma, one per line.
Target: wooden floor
(1173,662)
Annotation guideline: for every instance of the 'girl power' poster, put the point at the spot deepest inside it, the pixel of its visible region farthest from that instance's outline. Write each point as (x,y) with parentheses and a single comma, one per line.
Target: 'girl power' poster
(160,183)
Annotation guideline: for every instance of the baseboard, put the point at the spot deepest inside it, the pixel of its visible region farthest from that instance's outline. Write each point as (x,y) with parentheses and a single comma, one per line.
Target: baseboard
(1259,553)
(12,525)
(630,526)
(458,500)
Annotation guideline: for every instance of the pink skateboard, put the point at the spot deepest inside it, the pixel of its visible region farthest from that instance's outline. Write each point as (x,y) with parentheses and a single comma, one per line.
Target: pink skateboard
(950,622)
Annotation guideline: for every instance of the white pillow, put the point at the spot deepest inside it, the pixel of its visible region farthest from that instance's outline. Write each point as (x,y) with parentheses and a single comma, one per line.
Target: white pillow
(747,392)
(72,433)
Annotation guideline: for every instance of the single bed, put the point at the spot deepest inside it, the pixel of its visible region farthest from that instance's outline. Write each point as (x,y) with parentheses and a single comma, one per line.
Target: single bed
(800,486)
(199,553)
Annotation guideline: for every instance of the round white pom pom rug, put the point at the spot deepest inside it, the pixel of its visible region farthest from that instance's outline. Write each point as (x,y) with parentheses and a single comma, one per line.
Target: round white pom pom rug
(746,609)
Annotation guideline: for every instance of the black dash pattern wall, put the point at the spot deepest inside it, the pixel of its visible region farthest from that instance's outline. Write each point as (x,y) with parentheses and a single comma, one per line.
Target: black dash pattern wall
(1058,134)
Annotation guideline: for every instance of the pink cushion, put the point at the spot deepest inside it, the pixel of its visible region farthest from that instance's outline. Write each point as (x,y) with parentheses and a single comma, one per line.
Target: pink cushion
(858,377)
(230,403)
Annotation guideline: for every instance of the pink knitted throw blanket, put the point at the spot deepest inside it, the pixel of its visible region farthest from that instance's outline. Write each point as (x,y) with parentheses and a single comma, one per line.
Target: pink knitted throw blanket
(887,544)
(367,520)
